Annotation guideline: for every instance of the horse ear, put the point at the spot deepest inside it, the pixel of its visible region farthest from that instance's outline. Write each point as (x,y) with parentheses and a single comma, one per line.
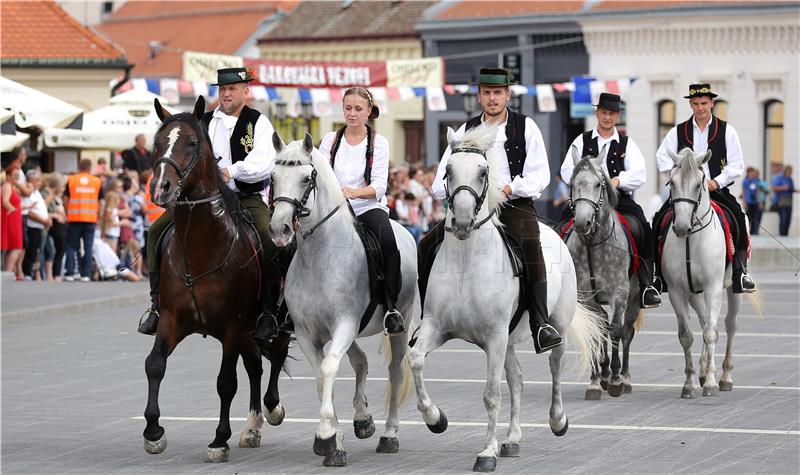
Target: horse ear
(277,142)
(576,155)
(674,156)
(160,111)
(451,138)
(705,158)
(597,162)
(308,143)
(199,108)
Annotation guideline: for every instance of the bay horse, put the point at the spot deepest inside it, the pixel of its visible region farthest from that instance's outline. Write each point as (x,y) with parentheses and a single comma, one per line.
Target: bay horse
(210,281)
(473,294)
(327,290)
(599,248)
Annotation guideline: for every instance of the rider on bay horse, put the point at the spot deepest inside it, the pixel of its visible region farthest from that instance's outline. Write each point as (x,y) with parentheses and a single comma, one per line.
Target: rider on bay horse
(241,139)
(522,177)
(625,165)
(703,132)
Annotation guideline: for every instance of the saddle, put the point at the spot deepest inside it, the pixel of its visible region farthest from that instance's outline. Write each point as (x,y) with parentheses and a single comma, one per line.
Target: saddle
(377,277)
(633,233)
(725,218)
(518,268)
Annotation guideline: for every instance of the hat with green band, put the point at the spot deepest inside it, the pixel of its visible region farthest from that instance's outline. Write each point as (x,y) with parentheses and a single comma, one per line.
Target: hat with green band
(495,77)
(233,75)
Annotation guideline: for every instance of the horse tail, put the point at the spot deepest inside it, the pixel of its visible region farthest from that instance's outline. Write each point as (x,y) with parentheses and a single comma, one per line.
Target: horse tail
(587,332)
(757,303)
(638,324)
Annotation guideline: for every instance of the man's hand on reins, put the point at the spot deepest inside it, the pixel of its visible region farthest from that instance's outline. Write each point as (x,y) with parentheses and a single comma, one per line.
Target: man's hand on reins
(226,177)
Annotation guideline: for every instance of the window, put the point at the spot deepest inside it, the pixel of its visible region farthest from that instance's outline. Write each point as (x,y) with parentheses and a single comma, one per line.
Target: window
(773,134)
(666,119)
(720,110)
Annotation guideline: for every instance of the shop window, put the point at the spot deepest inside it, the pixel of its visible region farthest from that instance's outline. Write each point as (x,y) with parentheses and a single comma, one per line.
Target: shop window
(773,134)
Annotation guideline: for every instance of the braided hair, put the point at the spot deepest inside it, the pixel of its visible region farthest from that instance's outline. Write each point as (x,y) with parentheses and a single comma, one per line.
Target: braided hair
(373,114)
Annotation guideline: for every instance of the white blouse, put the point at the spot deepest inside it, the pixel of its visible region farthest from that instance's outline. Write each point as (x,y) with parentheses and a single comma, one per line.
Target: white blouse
(351,160)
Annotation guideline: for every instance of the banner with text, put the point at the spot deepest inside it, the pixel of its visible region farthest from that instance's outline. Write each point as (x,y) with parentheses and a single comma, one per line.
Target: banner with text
(425,72)
(203,66)
(318,74)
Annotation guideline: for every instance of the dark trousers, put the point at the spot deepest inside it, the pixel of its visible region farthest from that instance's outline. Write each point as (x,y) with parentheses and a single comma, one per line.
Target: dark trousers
(77,232)
(59,234)
(754,213)
(33,251)
(377,221)
(784,220)
(644,243)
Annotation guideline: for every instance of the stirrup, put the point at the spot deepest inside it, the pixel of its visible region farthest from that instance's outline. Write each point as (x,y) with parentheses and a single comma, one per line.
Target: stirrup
(557,341)
(751,288)
(386,331)
(150,311)
(266,337)
(647,289)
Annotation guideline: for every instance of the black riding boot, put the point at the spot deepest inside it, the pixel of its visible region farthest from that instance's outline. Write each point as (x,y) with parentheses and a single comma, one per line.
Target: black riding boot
(650,296)
(150,324)
(545,337)
(286,324)
(742,283)
(267,324)
(393,320)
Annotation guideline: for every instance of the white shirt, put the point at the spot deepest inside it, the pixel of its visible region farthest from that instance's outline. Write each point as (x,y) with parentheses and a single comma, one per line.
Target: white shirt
(351,160)
(258,164)
(39,208)
(732,170)
(630,179)
(535,173)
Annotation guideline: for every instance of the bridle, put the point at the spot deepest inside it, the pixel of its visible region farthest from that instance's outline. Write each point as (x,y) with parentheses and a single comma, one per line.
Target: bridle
(695,205)
(479,199)
(300,208)
(596,205)
(183,173)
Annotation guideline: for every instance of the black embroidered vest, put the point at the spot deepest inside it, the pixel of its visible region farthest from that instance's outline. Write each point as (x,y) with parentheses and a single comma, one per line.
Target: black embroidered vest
(515,141)
(615,160)
(241,144)
(716,142)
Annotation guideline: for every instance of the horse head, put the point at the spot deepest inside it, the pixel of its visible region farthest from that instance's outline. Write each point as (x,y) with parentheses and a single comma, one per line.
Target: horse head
(179,146)
(688,189)
(471,168)
(592,196)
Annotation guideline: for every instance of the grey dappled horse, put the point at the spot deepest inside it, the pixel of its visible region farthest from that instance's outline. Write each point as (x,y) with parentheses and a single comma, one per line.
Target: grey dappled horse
(327,290)
(599,249)
(697,231)
(472,294)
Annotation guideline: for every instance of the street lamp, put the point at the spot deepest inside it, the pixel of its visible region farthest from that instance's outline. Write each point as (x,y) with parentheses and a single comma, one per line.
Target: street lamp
(307,111)
(279,111)
(470,101)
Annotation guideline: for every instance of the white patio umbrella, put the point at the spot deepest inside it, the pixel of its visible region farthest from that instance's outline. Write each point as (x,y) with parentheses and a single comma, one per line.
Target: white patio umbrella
(9,138)
(35,108)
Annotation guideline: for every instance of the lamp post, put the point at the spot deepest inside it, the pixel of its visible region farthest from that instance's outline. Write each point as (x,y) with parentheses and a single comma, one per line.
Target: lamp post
(470,101)
(307,110)
(280,115)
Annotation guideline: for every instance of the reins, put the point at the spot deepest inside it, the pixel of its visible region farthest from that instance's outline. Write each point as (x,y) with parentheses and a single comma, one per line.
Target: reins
(479,199)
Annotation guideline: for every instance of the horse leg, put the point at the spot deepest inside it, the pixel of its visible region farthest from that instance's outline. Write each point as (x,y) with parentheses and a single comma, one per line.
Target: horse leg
(155,366)
(631,312)
(250,435)
(279,349)
(686,338)
(559,423)
(605,371)
(599,381)
(388,442)
(363,425)
(329,429)
(428,340)
(699,304)
(227,383)
(710,336)
(510,447)
(734,303)
(495,355)
(615,386)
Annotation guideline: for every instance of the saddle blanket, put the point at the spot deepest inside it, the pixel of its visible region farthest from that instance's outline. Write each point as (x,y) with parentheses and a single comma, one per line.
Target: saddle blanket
(664,225)
(634,266)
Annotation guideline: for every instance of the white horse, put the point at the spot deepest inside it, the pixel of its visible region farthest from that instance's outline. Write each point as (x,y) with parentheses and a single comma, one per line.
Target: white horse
(698,242)
(327,291)
(472,294)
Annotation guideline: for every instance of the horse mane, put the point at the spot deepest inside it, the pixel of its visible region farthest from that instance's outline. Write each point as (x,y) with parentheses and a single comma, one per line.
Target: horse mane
(294,154)
(586,164)
(687,158)
(229,199)
(482,138)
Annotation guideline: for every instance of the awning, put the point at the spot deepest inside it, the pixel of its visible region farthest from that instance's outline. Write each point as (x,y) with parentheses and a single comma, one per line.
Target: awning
(9,137)
(34,108)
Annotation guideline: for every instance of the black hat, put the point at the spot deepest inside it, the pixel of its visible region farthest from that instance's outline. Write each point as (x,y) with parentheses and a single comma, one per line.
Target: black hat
(698,90)
(495,77)
(233,75)
(610,102)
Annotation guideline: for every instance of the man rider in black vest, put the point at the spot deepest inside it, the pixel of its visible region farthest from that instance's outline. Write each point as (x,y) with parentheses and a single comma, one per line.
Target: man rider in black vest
(241,139)
(703,132)
(625,166)
(522,178)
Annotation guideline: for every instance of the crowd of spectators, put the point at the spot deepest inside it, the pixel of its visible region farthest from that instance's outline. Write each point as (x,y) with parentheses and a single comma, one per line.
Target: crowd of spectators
(411,201)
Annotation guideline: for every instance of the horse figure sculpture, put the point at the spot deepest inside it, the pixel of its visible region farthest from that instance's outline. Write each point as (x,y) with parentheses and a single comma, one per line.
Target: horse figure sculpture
(474,294)
(328,291)
(693,264)
(599,245)
(210,280)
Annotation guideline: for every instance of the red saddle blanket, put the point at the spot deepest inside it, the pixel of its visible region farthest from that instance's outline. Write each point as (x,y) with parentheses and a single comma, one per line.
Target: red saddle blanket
(663,228)
(634,266)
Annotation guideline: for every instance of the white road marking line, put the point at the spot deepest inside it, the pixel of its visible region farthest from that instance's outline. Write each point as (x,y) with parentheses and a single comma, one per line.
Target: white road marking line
(717,430)
(738,334)
(633,353)
(548,383)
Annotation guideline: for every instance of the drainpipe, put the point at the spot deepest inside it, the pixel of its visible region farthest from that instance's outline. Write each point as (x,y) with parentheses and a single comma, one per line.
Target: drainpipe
(124,79)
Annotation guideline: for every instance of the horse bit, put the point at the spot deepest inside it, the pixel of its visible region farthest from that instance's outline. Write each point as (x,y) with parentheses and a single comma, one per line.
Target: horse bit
(596,205)
(479,199)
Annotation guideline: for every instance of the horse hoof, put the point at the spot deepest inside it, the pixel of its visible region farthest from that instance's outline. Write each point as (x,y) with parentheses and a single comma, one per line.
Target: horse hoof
(217,454)
(388,445)
(441,425)
(688,393)
(337,459)
(726,385)
(364,429)
(156,446)
(509,449)
(710,390)
(604,384)
(702,381)
(627,388)
(250,439)
(275,416)
(559,433)
(615,390)
(484,464)
(592,394)
(324,447)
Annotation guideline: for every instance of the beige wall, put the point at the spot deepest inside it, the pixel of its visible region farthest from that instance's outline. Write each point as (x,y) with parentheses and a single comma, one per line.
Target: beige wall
(389,124)
(83,87)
